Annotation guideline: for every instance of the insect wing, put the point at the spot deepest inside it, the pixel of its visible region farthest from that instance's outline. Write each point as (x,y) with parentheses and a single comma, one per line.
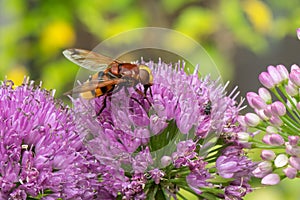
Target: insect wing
(88,59)
(92,85)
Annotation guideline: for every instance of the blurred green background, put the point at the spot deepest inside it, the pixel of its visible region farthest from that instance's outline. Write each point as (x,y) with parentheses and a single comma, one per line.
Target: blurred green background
(241,36)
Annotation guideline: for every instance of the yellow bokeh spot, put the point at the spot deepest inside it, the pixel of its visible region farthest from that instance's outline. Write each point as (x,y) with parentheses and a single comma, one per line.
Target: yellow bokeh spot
(259,15)
(16,74)
(57,35)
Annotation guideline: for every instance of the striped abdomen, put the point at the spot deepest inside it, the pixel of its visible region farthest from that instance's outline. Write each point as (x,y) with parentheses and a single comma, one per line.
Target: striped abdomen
(98,78)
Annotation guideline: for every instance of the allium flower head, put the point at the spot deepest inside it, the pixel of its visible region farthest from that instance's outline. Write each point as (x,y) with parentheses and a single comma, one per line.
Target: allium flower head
(160,140)
(279,121)
(41,155)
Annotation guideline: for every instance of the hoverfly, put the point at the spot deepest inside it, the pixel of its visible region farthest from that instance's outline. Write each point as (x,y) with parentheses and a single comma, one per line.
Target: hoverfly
(112,75)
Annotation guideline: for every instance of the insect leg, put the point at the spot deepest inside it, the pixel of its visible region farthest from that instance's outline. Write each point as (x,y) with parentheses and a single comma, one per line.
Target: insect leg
(103,105)
(146,87)
(144,94)
(118,88)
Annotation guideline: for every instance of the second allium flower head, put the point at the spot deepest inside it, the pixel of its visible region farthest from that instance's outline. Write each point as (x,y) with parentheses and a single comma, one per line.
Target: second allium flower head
(159,144)
(279,121)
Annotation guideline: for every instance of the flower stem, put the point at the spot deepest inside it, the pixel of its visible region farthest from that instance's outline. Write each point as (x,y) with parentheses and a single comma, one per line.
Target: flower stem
(287,107)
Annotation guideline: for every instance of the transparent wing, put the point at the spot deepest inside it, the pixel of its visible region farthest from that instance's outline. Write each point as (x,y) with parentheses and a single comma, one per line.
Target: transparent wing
(92,85)
(88,59)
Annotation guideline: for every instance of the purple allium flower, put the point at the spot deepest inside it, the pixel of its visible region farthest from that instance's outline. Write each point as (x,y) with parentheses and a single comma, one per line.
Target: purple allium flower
(166,133)
(134,188)
(141,161)
(198,178)
(165,161)
(233,164)
(185,152)
(41,153)
(237,189)
(156,175)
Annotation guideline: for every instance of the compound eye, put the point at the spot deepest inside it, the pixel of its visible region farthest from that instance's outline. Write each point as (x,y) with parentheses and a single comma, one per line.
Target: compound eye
(144,76)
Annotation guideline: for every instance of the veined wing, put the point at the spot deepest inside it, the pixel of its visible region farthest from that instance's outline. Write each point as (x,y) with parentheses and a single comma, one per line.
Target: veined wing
(88,59)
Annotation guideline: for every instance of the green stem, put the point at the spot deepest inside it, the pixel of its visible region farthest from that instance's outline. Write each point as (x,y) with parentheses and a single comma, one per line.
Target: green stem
(257,141)
(290,100)
(287,107)
(180,171)
(267,146)
(289,128)
(188,189)
(177,180)
(181,196)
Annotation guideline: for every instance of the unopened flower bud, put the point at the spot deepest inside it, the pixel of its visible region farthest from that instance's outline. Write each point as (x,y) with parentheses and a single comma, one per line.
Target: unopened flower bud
(250,96)
(265,94)
(291,89)
(165,161)
(266,80)
(293,140)
(278,108)
(273,139)
(281,160)
(241,120)
(295,162)
(274,74)
(295,76)
(276,121)
(283,72)
(290,172)
(267,155)
(252,119)
(294,66)
(268,111)
(271,179)
(261,114)
(243,137)
(293,150)
(258,103)
(262,169)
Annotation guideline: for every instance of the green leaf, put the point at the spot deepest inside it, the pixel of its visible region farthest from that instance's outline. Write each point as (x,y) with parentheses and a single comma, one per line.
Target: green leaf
(162,139)
(165,143)
(209,196)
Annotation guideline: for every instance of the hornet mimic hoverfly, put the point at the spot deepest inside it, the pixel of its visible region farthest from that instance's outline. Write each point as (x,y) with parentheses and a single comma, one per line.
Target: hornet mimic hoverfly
(112,75)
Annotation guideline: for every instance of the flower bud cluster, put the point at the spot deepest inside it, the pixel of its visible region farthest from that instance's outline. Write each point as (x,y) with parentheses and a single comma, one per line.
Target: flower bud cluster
(276,107)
